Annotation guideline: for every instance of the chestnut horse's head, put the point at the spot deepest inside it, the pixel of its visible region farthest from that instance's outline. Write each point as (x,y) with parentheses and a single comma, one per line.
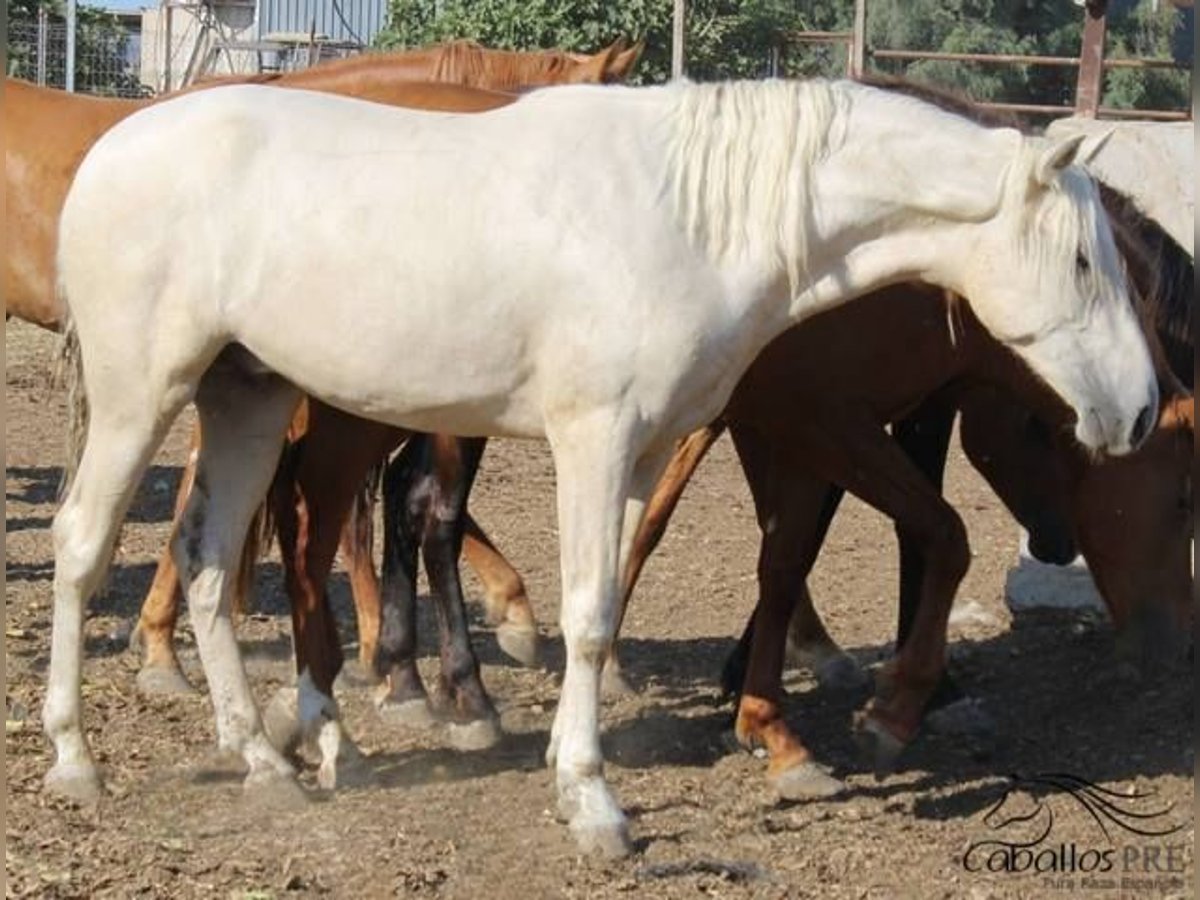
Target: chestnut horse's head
(1131,516)
(465,62)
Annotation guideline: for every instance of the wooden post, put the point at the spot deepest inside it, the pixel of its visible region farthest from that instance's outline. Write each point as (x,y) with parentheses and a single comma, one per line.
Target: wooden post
(858,43)
(1091,59)
(677,38)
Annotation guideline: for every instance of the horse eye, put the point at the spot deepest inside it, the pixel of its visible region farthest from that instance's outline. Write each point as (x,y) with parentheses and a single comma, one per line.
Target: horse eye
(1081,263)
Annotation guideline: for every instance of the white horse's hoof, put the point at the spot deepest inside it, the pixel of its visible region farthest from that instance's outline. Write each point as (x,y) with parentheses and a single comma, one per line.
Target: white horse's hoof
(842,673)
(613,684)
(415,714)
(477,735)
(164,681)
(274,790)
(520,642)
(807,781)
(281,721)
(607,839)
(74,781)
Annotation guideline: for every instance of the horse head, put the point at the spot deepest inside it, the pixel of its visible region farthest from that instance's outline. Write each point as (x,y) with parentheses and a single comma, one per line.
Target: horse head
(1044,276)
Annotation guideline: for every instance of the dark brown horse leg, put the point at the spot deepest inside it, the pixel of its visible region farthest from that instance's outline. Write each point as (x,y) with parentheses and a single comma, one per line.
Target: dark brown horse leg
(809,644)
(789,505)
(687,457)
(405,500)
(474,722)
(506,602)
(160,673)
(312,495)
(925,436)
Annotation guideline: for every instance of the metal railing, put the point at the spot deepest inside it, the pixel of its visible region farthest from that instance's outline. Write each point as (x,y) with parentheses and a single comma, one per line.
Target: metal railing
(107,59)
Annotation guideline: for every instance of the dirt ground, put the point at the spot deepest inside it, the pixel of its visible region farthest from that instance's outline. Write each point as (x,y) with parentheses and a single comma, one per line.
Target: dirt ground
(175,823)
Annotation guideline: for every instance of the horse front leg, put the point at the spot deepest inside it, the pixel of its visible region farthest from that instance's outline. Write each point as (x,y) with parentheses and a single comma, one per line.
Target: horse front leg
(788,503)
(594,470)
(474,723)
(313,496)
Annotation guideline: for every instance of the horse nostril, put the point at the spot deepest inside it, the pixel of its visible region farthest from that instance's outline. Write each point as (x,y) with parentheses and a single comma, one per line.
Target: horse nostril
(1141,426)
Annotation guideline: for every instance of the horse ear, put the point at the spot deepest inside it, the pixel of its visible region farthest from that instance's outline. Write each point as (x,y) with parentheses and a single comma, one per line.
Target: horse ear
(1092,145)
(1179,412)
(624,61)
(1055,158)
(596,67)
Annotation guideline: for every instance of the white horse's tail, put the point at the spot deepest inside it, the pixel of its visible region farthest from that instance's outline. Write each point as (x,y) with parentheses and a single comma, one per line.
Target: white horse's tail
(68,375)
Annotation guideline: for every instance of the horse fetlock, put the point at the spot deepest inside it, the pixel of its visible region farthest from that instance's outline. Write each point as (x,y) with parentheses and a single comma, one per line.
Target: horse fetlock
(877,742)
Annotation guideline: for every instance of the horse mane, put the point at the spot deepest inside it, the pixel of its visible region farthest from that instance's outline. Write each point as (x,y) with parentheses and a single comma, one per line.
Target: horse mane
(467,62)
(946,99)
(734,148)
(1162,275)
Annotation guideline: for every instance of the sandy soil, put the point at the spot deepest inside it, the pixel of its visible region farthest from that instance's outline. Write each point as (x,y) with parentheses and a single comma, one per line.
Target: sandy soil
(175,823)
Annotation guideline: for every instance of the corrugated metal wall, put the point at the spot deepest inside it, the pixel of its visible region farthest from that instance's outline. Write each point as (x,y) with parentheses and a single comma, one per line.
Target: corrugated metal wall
(340,20)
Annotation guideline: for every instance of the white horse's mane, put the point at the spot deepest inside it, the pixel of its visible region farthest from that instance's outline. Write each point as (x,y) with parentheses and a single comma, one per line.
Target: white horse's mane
(740,161)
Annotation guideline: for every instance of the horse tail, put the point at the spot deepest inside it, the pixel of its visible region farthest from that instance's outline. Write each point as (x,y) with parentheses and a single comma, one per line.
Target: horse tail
(68,376)
(263,528)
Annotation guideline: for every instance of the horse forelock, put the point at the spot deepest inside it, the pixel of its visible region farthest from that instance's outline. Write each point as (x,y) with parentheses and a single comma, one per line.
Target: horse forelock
(736,147)
(1061,222)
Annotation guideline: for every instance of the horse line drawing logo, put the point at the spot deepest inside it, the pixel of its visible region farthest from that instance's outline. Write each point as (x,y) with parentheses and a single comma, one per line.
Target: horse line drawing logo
(1144,862)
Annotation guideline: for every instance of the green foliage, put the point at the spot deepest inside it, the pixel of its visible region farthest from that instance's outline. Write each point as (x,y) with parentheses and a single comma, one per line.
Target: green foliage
(101,65)
(737,38)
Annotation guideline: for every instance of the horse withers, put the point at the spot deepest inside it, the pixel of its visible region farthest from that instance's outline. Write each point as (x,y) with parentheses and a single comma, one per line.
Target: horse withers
(610,260)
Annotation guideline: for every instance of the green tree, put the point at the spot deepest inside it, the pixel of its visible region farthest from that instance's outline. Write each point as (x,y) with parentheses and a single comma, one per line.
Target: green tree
(101,55)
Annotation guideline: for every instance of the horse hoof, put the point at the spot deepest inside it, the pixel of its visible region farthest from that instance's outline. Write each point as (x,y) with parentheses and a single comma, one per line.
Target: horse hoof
(877,745)
(613,685)
(607,839)
(963,718)
(281,721)
(842,673)
(414,714)
(274,790)
(74,781)
(164,681)
(806,781)
(479,734)
(520,643)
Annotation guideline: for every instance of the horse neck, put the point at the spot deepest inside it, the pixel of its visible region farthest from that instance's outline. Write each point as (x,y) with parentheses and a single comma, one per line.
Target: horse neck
(863,201)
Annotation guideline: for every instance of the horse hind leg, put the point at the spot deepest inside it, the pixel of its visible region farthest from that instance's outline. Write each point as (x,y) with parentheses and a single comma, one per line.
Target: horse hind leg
(125,428)
(243,418)
(153,638)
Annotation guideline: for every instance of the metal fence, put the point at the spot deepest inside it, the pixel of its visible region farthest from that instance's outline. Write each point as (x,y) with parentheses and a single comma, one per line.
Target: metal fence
(107,57)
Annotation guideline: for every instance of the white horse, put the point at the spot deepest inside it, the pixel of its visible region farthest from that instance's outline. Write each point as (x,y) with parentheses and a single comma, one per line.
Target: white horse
(595,266)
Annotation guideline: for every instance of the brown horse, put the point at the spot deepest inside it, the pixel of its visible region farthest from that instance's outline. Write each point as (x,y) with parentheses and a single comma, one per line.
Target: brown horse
(1130,517)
